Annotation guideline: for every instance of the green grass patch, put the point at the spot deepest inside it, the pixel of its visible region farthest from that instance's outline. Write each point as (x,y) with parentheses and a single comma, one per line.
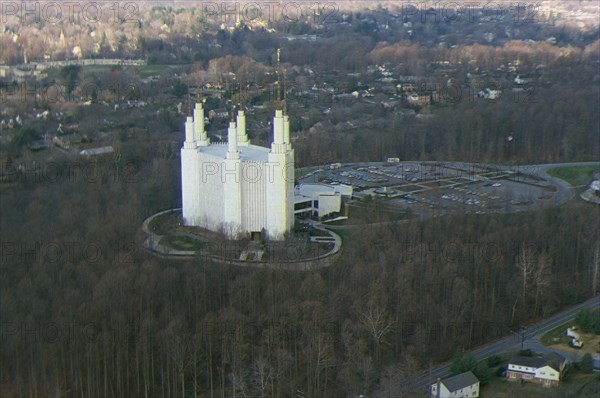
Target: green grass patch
(346,235)
(575,175)
(157,69)
(558,334)
(575,384)
(184,243)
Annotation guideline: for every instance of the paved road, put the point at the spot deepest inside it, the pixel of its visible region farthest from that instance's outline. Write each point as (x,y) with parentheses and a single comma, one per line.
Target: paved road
(513,343)
(564,189)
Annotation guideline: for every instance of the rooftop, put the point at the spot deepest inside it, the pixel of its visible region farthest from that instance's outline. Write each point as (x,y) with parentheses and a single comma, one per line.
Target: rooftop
(551,359)
(250,153)
(462,380)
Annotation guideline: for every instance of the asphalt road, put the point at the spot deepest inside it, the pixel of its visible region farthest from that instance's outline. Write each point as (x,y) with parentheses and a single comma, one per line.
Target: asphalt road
(530,336)
(564,188)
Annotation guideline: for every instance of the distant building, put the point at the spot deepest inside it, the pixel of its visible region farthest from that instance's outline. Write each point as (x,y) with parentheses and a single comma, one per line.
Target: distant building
(97,151)
(522,79)
(489,94)
(23,73)
(460,386)
(67,140)
(416,99)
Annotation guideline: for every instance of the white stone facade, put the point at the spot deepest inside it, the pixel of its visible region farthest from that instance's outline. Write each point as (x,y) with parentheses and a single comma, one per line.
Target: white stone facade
(238,188)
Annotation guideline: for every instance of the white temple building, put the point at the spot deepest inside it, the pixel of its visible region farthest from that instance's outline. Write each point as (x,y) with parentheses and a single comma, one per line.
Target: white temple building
(238,188)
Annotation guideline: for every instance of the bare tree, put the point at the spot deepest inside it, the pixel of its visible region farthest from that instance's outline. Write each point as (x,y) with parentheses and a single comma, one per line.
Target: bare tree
(526,264)
(542,277)
(262,377)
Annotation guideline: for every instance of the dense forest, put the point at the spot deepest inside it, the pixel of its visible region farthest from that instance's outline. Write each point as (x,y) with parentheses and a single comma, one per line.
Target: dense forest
(86,312)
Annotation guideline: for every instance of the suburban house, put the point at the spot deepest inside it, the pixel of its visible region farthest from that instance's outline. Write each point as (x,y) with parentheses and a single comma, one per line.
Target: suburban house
(461,386)
(545,370)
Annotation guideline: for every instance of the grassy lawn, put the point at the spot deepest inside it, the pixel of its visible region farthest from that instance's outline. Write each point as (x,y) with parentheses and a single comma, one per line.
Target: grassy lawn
(576,175)
(156,69)
(181,243)
(576,384)
(557,335)
(346,236)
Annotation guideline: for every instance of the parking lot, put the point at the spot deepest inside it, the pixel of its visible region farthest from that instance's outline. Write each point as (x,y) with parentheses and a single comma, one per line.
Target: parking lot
(440,187)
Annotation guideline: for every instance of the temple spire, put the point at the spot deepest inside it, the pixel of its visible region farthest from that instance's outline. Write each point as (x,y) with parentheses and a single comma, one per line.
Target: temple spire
(232,144)
(284,93)
(278,78)
(189,103)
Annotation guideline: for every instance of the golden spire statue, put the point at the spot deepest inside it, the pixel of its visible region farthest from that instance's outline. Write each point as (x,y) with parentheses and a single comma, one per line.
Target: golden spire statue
(199,94)
(284,93)
(278,79)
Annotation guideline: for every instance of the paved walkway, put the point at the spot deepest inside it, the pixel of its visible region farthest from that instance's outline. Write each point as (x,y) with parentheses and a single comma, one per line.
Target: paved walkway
(153,244)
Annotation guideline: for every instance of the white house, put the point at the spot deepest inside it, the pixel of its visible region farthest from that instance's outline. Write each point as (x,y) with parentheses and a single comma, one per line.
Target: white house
(460,386)
(545,370)
(489,94)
